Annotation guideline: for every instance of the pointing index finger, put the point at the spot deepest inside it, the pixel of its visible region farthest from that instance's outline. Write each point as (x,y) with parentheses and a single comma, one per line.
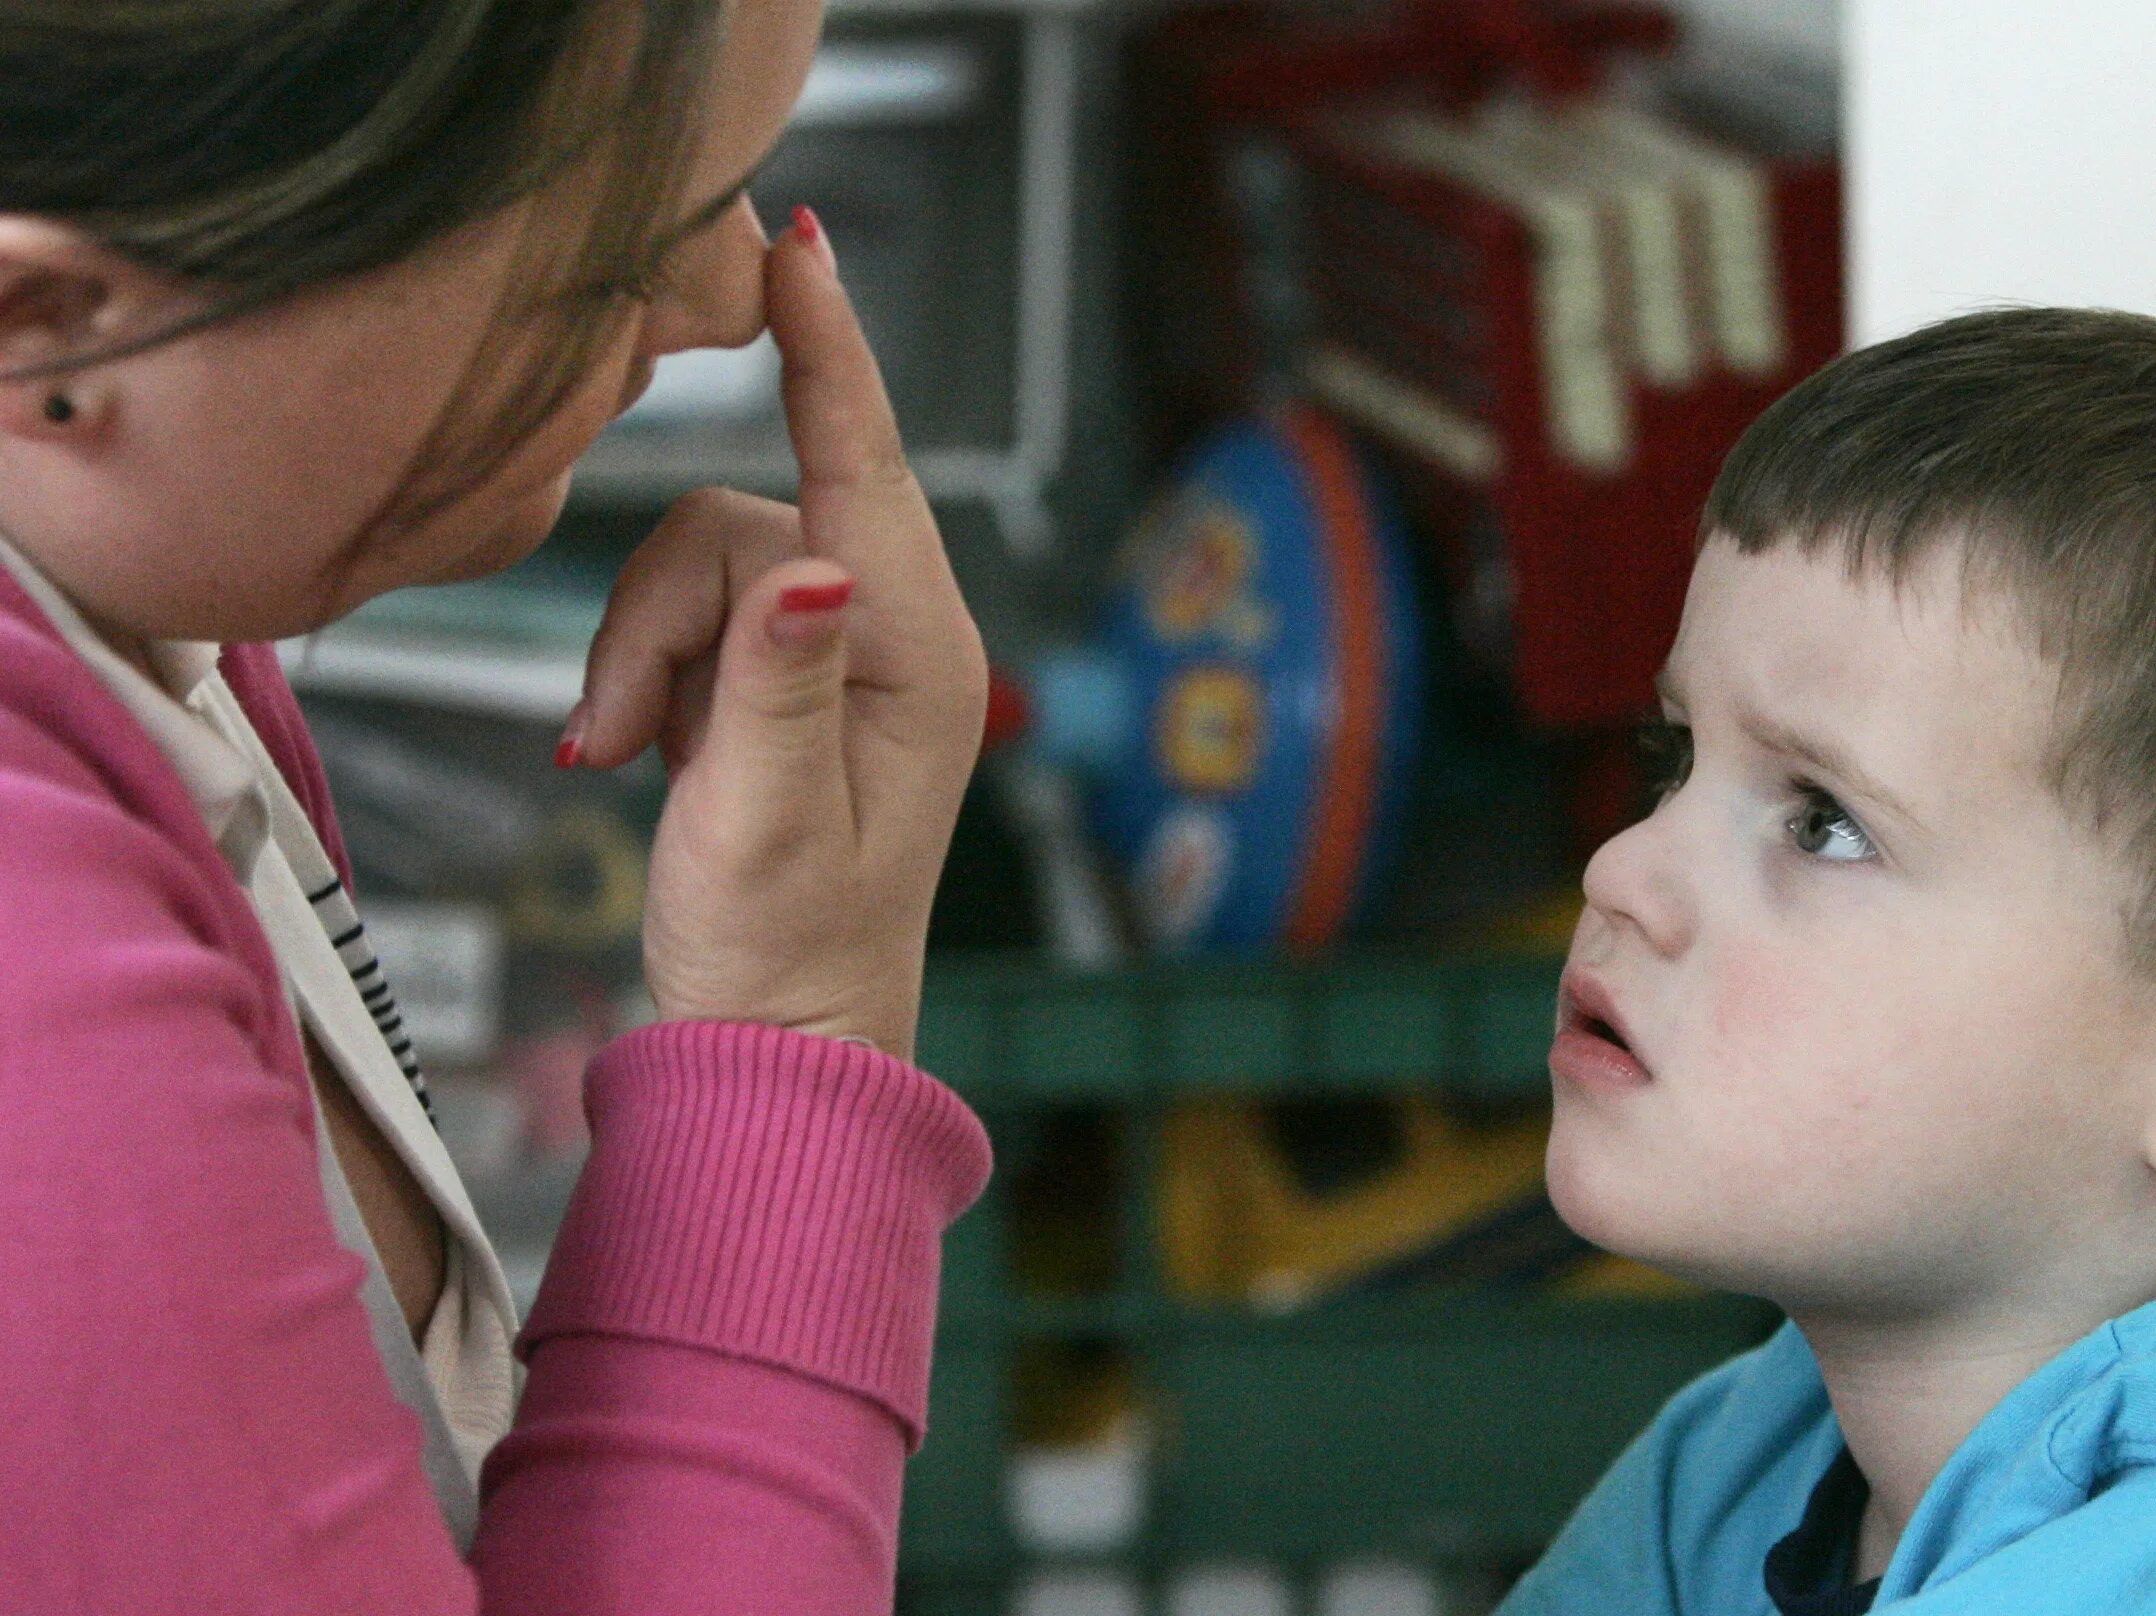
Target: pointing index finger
(838,413)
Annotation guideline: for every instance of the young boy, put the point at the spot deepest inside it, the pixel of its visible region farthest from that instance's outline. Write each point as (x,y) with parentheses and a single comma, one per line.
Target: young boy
(1863,1017)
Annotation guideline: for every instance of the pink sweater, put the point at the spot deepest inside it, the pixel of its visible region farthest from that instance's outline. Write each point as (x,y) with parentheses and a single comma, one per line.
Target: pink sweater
(728,1358)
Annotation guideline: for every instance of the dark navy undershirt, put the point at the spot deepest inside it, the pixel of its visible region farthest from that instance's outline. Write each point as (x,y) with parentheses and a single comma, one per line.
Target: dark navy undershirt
(1808,1571)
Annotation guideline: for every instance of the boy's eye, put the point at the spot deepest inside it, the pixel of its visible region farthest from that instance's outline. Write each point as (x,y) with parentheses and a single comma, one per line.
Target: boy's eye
(1822,829)
(1665,751)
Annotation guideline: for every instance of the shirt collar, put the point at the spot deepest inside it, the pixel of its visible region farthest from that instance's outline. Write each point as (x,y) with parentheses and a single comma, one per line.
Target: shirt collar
(217,775)
(1808,1572)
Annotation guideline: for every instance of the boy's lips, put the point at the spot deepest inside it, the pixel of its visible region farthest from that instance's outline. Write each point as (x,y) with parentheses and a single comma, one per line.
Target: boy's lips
(1593,1046)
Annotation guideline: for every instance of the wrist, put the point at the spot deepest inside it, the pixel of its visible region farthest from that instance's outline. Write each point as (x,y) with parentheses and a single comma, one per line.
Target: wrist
(882,1013)
(883,1042)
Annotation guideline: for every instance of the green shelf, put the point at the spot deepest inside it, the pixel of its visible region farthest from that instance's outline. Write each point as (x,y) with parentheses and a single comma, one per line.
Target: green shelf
(1457,1427)
(1004,1033)
(1446,1427)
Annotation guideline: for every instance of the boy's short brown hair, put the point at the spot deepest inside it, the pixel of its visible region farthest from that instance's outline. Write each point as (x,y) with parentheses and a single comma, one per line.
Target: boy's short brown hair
(2024,438)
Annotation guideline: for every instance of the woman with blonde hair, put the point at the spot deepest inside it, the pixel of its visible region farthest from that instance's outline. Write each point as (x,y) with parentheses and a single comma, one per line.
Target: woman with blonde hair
(306,300)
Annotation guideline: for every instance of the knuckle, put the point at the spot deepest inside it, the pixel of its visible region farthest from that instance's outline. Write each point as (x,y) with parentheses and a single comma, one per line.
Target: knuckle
(961,700)
(778,537)
(750,519)
(968,653)
(878,465)
(782,842)
(689,525)
(794,696)
(703,508)
(970,676)
(886,465)
(630,577)
(771,513)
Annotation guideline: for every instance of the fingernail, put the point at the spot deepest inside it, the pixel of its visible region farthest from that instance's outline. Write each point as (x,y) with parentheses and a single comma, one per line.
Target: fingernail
(808,617)
(571,750)
(817,597)
(810,229)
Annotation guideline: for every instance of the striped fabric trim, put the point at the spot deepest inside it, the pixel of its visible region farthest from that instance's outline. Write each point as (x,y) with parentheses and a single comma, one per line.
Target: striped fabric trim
(348,935)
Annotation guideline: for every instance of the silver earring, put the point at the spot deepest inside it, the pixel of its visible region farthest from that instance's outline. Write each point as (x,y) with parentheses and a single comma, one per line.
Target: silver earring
(59,409)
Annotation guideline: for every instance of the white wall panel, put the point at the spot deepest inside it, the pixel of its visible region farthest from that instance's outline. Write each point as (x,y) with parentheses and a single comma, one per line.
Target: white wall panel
(1998,150)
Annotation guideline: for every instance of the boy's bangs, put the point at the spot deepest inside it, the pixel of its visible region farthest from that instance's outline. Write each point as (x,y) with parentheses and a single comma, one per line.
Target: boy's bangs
(2017,441)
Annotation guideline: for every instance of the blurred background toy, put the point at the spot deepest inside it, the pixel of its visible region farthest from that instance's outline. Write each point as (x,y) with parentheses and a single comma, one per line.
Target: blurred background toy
(1248,721)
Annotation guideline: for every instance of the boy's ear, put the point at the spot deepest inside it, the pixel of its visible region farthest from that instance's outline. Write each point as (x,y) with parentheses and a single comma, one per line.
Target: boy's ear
(62,294)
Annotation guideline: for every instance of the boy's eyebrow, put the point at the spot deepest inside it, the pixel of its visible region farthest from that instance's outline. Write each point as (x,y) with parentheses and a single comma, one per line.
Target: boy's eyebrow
(1822,755)
(1828,759)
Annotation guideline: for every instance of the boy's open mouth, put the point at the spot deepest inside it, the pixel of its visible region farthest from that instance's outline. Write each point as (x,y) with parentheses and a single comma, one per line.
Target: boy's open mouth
(1588,1017)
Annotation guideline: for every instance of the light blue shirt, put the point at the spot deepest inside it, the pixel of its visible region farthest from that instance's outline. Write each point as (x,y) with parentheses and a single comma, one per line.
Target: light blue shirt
(2048,1507)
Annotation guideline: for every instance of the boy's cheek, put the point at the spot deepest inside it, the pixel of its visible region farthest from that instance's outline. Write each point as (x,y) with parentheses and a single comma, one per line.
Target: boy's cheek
(1793,1052)
(1761,999)
(1802,1024)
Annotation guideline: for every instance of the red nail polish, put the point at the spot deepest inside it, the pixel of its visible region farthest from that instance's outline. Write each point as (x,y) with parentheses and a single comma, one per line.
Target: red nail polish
(571,750)
(806,225)
(816,597)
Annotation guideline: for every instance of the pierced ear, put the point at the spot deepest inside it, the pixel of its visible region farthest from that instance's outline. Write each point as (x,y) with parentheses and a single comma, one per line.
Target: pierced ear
(64,408)
(61,294)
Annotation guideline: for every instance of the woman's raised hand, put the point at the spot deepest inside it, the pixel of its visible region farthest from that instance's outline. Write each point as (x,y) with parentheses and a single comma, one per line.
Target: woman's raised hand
(816,687)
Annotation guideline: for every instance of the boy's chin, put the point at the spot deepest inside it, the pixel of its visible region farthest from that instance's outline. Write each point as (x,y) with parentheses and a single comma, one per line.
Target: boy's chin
(1721,1247)
(1650,1228)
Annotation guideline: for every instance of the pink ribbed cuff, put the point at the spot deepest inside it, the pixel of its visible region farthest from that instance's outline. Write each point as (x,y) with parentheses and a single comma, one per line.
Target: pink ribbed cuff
(768,1194)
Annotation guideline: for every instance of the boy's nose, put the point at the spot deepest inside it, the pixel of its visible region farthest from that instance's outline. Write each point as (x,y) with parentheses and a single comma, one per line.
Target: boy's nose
(1637,880)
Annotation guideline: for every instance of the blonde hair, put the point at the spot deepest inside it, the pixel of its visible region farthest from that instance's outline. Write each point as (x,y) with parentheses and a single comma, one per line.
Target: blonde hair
(255,147)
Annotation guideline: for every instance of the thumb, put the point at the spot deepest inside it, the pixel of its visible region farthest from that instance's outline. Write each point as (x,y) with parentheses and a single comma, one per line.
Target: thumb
(777,713)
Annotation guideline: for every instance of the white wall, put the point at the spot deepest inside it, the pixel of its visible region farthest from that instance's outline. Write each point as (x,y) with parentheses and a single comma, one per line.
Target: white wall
(1998,149)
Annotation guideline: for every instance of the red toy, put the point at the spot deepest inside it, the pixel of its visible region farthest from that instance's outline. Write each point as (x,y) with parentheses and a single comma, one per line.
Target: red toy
(1557,308)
